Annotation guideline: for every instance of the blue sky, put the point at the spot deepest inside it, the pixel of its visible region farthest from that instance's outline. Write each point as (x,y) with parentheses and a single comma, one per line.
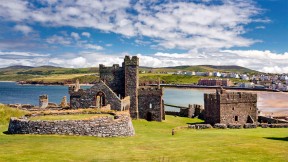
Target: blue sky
(84,33)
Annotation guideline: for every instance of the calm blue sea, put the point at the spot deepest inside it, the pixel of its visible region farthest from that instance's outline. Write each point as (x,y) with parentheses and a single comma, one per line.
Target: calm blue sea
(11,92)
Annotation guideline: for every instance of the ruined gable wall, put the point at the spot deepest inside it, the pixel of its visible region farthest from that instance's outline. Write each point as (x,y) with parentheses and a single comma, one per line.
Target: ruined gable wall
(113,77)
(86,98)
(147,96)
(238,104)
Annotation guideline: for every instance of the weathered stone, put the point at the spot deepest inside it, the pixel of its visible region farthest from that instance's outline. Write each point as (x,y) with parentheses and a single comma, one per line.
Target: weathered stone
(63,103)
(220,126)
(119,87)
(112,128)
(43,101)
(230,108)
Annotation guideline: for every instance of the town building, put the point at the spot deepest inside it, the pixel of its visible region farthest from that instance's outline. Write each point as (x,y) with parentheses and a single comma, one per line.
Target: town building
(215,82)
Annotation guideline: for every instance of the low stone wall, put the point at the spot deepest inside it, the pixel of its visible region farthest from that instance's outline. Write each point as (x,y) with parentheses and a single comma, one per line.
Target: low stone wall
(172,113)
(265,125)
(220,126)
(100,127)
(264,119)
(200,126)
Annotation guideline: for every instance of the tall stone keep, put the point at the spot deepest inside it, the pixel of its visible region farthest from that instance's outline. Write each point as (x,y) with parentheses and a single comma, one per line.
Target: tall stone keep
(131,83)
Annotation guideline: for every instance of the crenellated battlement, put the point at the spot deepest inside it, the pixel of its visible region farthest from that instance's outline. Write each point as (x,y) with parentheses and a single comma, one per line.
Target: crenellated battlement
(230,107)
(134,60)
(150,91)
(110,69)
(231,97)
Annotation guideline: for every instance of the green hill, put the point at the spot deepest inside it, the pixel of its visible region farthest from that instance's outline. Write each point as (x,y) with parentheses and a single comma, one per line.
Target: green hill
(202,68)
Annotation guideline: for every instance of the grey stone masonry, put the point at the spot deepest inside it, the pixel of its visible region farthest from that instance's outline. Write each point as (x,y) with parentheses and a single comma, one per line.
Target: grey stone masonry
(87,98)
(43,101)
(100,127)
(131,83)
(151,105)
(230,108)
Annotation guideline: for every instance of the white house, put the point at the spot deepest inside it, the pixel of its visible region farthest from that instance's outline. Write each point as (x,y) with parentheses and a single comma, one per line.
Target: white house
(190,73)
(244,77)
(217,74)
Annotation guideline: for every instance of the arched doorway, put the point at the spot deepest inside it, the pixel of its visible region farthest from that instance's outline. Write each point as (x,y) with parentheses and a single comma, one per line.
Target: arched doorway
(149,116)
(100,100)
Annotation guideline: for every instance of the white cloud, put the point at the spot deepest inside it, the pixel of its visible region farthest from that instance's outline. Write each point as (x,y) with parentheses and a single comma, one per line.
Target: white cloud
(24,29)
(260,27)
(55,39)
(93,46)
(181,24)
(75,35)
(30,54)
(86,34)
(265,61)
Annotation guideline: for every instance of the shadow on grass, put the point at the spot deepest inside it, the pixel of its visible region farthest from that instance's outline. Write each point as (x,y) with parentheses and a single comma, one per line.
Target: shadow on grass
(196,123)
(278,138)
(6,132)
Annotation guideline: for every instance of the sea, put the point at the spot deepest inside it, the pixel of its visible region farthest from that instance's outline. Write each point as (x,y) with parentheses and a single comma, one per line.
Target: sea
(13,93)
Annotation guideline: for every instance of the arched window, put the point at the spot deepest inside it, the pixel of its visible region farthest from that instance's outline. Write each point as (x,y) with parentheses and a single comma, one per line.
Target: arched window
(100,99)
(150,105)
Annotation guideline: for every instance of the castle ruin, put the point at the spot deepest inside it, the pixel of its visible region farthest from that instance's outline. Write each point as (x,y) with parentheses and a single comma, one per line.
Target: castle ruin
(119,87)
(230,108)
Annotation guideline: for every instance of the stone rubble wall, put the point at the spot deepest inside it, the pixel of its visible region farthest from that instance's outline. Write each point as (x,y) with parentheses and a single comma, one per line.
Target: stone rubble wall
(101,127)
(237,126)
(269,120)
(86,98)
(151,97)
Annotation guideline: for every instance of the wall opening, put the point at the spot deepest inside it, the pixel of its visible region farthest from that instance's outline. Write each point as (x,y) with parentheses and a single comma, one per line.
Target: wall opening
(149,116)
(150,105)
(236,118)
(100,99)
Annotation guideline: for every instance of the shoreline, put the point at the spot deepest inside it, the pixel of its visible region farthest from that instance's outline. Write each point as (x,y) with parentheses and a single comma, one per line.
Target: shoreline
(176,86)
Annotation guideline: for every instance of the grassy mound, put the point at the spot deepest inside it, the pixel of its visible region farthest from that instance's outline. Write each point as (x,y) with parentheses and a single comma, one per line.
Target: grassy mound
(7,112)
(69,117)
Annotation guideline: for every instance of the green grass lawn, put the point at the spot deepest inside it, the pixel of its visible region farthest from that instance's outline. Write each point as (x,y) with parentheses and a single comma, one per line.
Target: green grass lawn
(68,117)
(153,142)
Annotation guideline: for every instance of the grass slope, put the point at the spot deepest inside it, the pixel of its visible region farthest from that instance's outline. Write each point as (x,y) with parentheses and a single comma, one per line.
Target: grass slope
(7,112)
(177,79)
(153,142)
(69,117)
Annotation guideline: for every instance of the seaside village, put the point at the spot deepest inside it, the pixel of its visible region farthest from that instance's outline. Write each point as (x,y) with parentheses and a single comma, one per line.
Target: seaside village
(118,94)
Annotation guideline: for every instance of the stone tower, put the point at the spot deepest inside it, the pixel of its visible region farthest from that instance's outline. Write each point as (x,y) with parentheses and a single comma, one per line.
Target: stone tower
(230,107)
(131,66)
(43,101)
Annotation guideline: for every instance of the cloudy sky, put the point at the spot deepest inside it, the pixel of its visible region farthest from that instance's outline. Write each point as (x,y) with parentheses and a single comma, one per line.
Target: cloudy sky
(84,33)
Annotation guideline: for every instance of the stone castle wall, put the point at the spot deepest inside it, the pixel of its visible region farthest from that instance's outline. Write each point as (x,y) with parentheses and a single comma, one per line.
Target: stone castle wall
(212,108)
(151,105)
(131,66)
(228,108)
(100,127)
(87,98)
(113,77)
